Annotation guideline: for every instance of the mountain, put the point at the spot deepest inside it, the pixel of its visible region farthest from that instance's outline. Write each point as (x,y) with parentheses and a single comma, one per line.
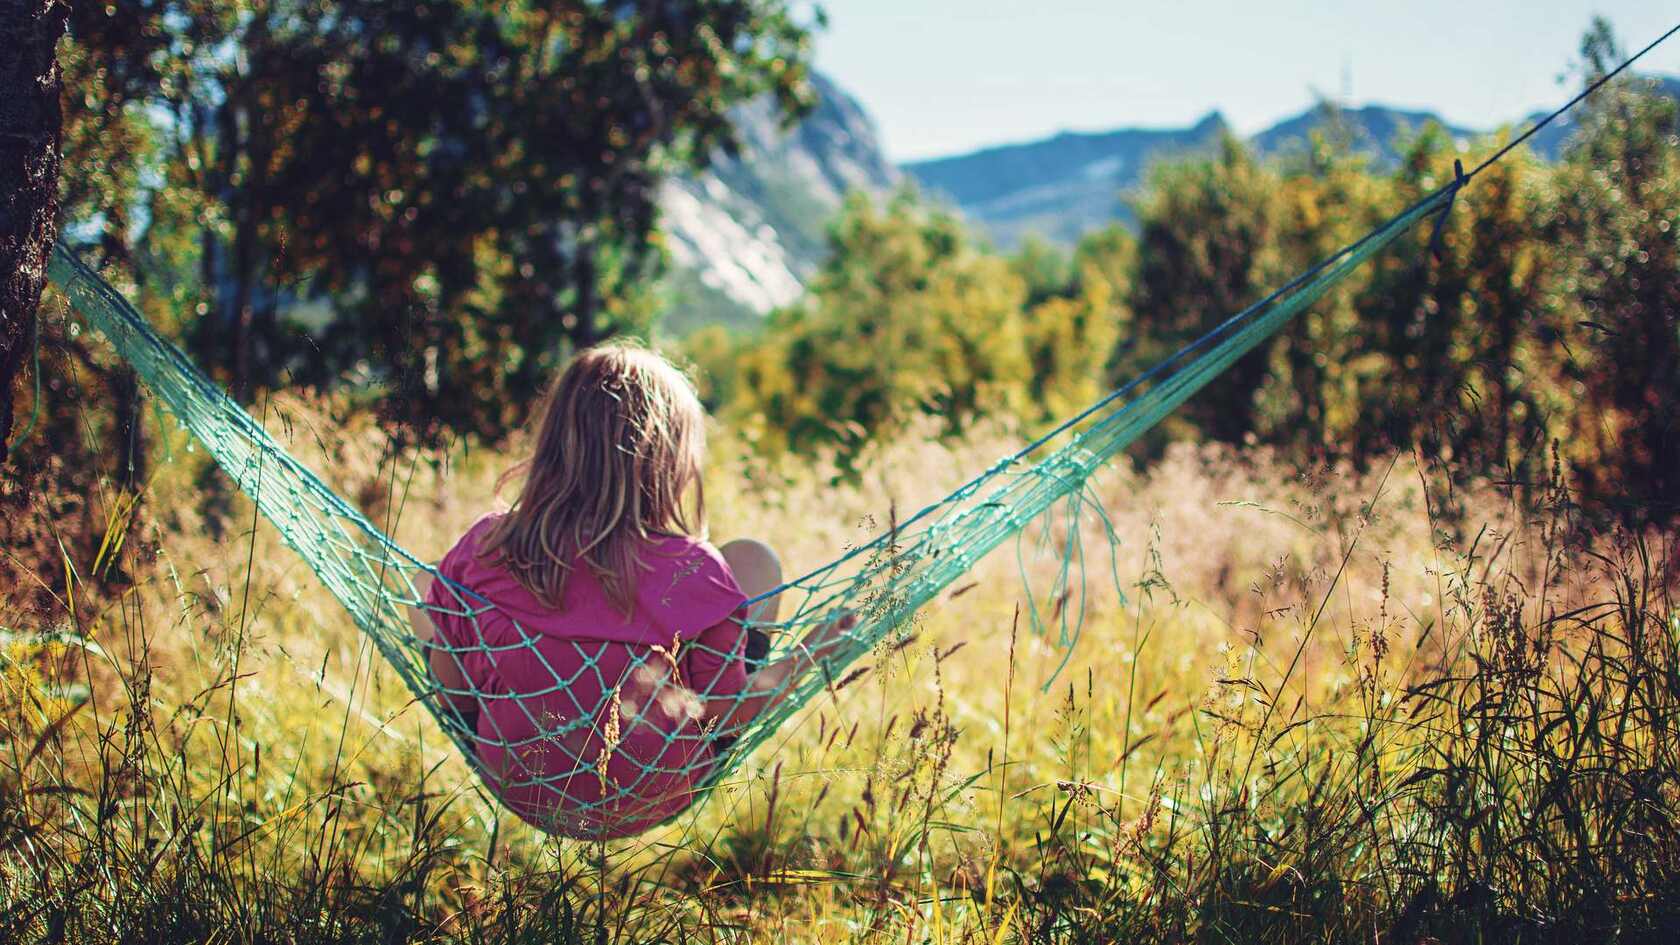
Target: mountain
(748,231)
(1375,131)
(1059,187)
(1064,186)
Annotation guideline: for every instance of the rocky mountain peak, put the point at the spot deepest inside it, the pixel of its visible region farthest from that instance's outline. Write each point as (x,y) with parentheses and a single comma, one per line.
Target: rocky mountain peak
(747,232)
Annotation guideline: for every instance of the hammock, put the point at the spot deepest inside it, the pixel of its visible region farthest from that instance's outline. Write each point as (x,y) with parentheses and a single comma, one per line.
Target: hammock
(880,584)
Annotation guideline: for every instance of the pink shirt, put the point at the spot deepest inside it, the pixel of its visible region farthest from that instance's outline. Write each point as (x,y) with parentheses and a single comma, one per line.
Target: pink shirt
(555,683)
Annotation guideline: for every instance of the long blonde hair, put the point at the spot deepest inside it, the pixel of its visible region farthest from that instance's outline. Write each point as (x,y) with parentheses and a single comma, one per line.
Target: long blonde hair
(622,440)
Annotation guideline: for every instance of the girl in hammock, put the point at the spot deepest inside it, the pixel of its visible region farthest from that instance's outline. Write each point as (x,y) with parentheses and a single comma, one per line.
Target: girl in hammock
(592,637)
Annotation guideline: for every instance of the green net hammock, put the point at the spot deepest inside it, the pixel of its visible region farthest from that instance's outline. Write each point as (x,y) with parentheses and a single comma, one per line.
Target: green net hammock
(880,584)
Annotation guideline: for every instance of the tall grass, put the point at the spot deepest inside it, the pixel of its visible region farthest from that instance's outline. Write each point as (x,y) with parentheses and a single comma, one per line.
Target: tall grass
(1322,712)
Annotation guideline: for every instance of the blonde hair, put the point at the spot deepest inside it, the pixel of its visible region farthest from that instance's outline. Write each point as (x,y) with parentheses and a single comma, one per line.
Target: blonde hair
(621,442)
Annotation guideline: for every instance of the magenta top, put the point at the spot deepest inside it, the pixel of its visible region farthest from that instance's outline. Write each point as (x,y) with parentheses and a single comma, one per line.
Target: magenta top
(554,683)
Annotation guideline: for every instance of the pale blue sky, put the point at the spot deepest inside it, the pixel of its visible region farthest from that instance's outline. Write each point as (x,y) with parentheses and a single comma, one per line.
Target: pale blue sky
(944,76)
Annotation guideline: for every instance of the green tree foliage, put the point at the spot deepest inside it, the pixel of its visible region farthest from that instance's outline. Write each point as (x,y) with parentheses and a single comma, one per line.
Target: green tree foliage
(463,191)
(1469,328)
(531,202)
(1437,346)
(1075,314)
(423,205)
(1616,212)
(1316,369)
(470,187)
(1207,247)
(908,316)
(79,454)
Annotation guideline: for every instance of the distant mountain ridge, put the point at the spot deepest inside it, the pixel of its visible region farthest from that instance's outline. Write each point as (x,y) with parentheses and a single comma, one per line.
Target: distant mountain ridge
(747,233)
(1373,130)
(1061,186)
(1065,185)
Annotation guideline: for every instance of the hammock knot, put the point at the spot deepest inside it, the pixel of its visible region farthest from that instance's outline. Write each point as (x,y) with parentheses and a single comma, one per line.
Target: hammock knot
(1069,467)
(1459,180)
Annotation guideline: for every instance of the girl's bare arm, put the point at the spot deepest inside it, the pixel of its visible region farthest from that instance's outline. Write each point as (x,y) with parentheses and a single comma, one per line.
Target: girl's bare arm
(445,668)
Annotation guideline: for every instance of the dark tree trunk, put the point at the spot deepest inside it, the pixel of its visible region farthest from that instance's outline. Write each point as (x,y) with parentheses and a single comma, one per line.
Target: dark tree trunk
(29,161)
(236,286)
(585,333)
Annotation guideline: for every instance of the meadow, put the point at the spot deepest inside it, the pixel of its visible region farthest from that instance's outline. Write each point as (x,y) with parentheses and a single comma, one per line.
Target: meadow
(1388,649)
(1323,703)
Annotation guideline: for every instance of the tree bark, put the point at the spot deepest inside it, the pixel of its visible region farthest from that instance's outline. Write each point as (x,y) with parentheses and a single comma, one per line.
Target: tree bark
(585,333)
(29,161)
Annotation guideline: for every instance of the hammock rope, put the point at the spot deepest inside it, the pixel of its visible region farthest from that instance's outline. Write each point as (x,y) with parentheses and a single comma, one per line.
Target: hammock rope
(881,584)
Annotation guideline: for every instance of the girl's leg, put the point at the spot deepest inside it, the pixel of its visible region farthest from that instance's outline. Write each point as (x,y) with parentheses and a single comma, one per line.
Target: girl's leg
(757,570)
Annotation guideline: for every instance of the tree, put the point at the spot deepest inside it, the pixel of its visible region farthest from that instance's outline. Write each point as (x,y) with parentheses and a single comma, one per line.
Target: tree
(1618,200)
(1207,248)
(29,167)
(1075,316)
(466,188)
(1322,359)
(907,317)
(481,178)
(1435,347)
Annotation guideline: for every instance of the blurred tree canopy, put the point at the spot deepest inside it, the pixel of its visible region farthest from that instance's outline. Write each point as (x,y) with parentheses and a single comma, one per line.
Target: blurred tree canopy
(422,207)
(1615,212)
(428,205)
(908,315)
(470,187)
(1208,246)
(911,317)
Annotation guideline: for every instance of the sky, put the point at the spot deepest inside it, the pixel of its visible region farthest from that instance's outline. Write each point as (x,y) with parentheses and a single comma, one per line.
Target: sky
(947,76)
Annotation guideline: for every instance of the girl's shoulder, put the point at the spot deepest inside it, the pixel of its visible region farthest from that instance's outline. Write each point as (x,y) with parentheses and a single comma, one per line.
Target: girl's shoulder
(683,560)
(686,581)
(464,556)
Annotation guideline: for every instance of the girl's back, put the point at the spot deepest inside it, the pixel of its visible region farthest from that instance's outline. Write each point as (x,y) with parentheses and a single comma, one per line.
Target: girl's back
(591,716)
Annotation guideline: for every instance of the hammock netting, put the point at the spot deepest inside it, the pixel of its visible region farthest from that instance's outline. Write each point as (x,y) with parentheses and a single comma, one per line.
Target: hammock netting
(880,584)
